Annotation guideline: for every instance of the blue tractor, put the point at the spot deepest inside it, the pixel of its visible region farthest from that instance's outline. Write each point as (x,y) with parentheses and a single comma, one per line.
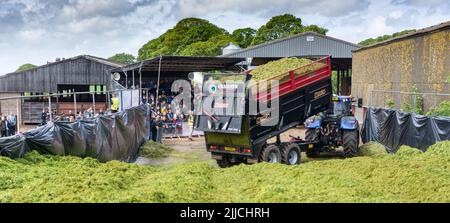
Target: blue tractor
(334,128)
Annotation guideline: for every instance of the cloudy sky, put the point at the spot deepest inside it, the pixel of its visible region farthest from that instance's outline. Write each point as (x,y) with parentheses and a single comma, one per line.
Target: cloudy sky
(37,31)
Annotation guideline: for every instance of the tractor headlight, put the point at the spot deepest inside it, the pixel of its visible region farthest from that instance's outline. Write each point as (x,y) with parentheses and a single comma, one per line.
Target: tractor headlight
(309,120)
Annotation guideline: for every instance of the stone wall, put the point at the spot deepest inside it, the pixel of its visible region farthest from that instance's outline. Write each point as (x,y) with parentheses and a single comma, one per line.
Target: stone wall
(422,61)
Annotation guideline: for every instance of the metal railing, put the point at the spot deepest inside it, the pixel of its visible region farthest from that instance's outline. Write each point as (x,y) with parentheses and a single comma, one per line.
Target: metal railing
(180,129)
(49,103)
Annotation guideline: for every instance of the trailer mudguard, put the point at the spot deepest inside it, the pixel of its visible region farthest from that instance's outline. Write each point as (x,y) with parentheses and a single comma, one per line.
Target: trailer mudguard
(349,123)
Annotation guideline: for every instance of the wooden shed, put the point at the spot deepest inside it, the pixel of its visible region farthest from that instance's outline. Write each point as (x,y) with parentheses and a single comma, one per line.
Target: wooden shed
(78,74)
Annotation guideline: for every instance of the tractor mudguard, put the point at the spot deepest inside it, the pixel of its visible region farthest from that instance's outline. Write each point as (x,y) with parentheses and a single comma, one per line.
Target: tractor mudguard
(314,122)
(349,123)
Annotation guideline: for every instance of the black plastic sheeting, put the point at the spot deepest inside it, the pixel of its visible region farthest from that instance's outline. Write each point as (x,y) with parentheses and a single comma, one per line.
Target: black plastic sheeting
(106,138)
(392,129)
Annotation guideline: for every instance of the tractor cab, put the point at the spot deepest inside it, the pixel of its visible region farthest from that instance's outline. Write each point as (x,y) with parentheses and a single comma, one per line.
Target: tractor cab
(342,105)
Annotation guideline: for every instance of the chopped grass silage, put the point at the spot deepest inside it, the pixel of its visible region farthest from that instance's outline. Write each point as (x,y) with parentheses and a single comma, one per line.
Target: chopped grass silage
(372,149)
(279,67)
(154,150)
(403,177)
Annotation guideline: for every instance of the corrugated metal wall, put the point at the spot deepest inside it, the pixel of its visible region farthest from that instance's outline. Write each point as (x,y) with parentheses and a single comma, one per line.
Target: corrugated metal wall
(300,46)
(45,79)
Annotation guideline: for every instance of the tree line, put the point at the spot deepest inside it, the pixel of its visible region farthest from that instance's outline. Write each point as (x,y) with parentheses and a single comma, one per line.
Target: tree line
(199,37)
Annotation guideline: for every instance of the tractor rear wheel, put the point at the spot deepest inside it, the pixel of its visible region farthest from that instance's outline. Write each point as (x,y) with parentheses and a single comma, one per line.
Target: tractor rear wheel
(350,143)
(311,135)
(290,153)
(271,154)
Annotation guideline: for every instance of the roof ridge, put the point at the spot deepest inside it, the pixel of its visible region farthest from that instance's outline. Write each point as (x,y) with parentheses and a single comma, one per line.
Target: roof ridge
(85,56)
(420,31)
(105,60)
(288,38)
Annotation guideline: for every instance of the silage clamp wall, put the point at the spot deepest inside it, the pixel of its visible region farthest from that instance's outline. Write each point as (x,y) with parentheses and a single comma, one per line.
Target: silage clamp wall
(110,137)
(393,128)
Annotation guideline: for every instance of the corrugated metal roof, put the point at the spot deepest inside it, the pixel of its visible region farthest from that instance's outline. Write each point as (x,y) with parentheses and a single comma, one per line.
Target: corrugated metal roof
(88,57)
(181,64)
(80,70)
(303,44)
(420,32)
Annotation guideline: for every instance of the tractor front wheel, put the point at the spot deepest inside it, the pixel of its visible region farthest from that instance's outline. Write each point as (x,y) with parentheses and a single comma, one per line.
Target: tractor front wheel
(350,143)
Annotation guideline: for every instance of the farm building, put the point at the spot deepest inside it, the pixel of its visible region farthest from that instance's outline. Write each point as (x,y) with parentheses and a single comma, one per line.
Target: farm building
(387,72)
(171,68)
(308,45)
(78,74)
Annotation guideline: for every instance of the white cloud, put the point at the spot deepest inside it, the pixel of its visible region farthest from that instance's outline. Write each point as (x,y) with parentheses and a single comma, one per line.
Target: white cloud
(88,25)
(396,14)
(378,25)
(31,35)
(322,7)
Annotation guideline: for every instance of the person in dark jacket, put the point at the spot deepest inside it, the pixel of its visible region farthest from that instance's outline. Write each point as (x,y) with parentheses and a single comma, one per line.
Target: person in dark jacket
(156,128)
(3,127)
(43,118)
(12,124)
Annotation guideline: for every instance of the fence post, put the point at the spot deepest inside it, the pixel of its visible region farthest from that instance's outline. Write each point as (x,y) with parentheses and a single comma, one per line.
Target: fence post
(17,116)
(50,107)
(108,97)
(133,87)
(121,100)
(75,103)
(93,99)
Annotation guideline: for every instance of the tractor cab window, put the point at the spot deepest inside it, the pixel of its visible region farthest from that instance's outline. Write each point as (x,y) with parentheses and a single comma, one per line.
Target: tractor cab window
(342,106)
(339,108)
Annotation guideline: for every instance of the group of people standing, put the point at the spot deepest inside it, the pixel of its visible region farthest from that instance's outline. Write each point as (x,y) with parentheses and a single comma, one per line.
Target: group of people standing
(8,125)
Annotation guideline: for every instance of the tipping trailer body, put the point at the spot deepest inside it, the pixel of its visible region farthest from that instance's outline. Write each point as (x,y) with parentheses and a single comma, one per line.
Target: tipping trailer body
(242,137)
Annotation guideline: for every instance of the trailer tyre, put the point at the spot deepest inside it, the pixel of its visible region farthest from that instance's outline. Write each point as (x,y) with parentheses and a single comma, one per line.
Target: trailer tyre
(224,163)
(271,154)
(290,154)
(311,135)
(350,143)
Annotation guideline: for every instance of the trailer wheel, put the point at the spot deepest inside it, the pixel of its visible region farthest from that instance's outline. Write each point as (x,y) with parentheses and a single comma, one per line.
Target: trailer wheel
(350,143)
(311,135)
(224,163)
(290,154)
(271,154)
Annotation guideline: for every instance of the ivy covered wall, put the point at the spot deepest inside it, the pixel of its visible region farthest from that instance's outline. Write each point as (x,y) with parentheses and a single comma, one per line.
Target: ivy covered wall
(421,62)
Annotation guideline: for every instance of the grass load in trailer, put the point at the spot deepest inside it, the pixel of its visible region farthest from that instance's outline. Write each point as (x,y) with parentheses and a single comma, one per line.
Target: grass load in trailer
(242,137)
